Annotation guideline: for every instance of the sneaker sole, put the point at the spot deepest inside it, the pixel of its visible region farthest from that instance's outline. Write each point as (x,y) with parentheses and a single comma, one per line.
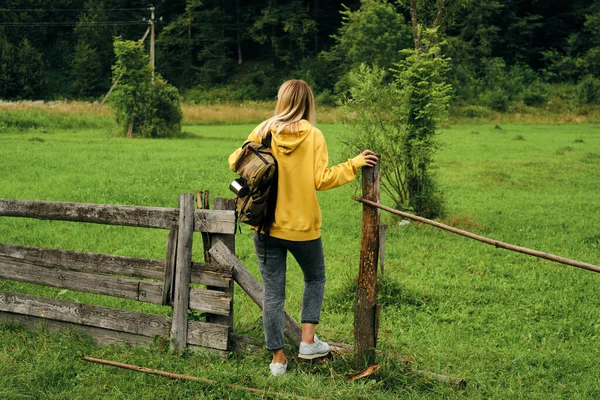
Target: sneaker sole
(312,356)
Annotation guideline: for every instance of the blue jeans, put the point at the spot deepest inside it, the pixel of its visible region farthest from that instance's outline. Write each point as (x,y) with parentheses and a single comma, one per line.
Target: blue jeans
(309,255)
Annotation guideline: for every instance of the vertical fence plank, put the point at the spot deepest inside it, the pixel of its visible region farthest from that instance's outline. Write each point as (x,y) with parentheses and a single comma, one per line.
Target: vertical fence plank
(229,241)
(169,273)
(365,308)
(181,297)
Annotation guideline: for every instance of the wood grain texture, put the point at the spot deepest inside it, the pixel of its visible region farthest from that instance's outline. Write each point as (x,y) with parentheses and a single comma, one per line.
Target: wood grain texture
(210,301)
(99,336)
(169,268)
(107,325)
(365,312)
(229,241)
(149,217)
(85,314)
(86,262)
(214,221)
(149,292)
(183,264)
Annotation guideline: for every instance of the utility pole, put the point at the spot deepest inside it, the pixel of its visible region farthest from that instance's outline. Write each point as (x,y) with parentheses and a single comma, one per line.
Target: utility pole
(152,23)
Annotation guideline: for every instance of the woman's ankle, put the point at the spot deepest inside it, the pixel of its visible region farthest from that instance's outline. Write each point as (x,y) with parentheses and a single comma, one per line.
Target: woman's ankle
(279,357)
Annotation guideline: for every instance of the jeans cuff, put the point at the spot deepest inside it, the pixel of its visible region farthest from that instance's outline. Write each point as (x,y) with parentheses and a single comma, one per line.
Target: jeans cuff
(308,321)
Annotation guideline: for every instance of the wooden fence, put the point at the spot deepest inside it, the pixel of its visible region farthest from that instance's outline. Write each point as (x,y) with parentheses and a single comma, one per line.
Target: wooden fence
(157,281)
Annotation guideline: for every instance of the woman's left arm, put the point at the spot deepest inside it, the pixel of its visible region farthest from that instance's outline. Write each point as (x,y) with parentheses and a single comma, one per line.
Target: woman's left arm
(338,175)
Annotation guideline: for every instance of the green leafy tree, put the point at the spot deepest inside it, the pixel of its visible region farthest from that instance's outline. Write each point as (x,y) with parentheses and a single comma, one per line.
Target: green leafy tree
(287,28)
(21,70)
(373,34)
(398,119)
(143,107)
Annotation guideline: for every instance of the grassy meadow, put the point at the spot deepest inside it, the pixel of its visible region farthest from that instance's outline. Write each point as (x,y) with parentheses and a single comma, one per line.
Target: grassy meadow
(511,325)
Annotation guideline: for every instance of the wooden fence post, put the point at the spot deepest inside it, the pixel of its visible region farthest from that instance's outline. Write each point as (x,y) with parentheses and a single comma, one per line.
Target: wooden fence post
(181,298)
(229,241)
(365,307)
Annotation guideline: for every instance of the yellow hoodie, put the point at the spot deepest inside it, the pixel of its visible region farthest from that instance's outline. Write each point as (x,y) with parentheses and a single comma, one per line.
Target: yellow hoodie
(302,170)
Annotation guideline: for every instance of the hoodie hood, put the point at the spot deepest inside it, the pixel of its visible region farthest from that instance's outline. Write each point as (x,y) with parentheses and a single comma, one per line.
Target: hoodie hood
(287,140)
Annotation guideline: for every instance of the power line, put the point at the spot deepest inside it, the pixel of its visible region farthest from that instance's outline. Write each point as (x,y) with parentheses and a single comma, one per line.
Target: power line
(69,9)
(70,23)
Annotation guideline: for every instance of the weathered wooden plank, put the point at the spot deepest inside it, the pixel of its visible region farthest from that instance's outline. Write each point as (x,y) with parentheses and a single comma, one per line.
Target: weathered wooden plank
(100,336)
(214,221)
(85,314)
(221,254)
(149,217)
(169,270)
(131,326)
(203,276)
(181,298)
(229,241)
(86,262)
(207,335)
(210,301)
(149,292)
(365,310)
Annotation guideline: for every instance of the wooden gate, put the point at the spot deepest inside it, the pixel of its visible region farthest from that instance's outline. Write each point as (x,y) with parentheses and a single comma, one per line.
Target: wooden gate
(157,281)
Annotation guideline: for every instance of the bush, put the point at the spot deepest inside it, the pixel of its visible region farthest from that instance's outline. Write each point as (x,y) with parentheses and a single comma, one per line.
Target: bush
(588,91)
(150,108)
(398,120)
(496,99)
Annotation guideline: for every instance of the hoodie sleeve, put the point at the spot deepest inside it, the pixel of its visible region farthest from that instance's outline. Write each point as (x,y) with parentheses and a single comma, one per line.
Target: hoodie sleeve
(253,137)
(329,178)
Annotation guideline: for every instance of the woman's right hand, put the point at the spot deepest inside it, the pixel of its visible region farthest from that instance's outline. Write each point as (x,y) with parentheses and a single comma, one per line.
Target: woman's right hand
(369,157)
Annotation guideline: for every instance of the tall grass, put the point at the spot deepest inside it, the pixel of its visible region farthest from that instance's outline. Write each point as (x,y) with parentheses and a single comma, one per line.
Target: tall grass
(511,325)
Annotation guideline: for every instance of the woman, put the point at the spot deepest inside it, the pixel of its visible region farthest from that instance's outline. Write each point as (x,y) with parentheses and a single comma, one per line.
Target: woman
(301,153)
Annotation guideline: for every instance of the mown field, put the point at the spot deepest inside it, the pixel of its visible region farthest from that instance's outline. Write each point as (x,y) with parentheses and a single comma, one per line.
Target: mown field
(513,326)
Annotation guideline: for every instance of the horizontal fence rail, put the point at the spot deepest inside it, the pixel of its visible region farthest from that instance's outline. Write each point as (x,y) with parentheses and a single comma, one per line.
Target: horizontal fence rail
(211,221)
(202,273)
(496,243)
(113,322)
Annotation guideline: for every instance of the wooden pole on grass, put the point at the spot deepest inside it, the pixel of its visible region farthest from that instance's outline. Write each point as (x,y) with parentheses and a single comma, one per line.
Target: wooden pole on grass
(365,307)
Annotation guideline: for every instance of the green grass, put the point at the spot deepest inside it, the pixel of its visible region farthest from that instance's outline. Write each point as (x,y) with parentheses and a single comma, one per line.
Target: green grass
(513,326)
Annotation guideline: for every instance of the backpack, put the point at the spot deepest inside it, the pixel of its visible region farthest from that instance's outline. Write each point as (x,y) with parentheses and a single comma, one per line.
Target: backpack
(255,200)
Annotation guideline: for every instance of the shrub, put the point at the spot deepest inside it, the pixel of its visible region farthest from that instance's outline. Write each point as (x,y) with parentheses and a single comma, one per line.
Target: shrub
(149,108)
(588,90)
(398,120)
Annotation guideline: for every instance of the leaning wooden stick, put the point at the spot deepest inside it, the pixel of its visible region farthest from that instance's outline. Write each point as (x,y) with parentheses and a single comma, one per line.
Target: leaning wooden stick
(186,377)
(507,246)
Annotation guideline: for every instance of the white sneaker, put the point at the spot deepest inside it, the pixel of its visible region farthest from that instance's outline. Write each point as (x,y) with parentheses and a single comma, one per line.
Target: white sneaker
(278,368)
(315,350)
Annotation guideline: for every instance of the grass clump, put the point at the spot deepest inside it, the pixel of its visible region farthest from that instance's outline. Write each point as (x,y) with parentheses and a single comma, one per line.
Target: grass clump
(44,122)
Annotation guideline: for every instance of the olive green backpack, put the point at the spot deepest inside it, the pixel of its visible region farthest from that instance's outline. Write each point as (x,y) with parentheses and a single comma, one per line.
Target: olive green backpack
(255,200)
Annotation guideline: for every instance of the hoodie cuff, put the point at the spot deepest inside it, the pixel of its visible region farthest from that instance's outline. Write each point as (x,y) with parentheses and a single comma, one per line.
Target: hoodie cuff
(358,162)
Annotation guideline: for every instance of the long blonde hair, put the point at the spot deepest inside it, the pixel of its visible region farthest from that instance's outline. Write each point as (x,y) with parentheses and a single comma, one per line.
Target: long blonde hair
(295,101)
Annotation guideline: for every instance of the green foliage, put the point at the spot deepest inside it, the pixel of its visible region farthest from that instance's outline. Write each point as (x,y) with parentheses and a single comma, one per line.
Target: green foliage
(286,27)
(373,35)
(399,119)
(21,70)
(31,120)
(588,90)
(87,81)
(151,108)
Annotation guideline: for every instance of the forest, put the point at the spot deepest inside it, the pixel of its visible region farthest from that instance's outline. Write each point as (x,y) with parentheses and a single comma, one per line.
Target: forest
(502,52)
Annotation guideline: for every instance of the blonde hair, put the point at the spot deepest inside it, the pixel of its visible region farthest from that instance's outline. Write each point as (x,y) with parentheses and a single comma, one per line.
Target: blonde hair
(295,101)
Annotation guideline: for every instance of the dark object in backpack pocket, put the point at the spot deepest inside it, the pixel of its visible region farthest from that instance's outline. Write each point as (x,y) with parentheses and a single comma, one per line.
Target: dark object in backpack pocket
(239,187)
